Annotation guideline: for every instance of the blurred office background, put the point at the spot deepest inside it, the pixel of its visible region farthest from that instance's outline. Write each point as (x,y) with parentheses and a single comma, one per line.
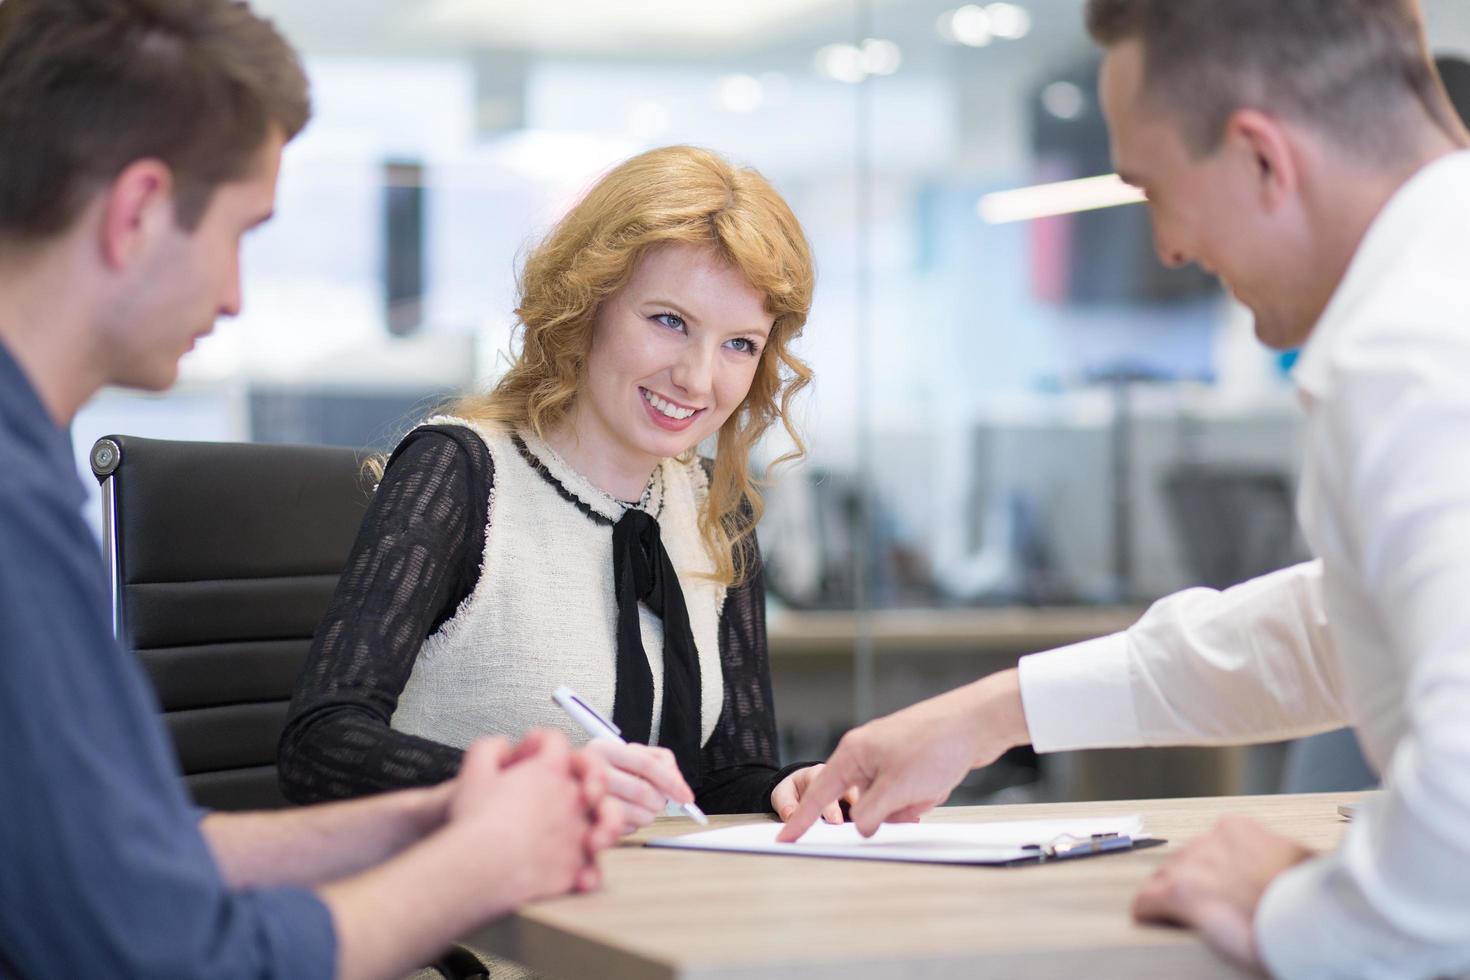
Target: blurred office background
(1021,430)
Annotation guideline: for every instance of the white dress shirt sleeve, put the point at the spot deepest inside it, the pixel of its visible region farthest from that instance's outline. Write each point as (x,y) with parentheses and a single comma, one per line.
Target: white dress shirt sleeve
(1252,663)
(1394,900)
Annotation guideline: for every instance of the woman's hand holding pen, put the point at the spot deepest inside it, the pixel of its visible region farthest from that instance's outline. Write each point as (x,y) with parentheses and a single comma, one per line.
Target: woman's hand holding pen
(642,778)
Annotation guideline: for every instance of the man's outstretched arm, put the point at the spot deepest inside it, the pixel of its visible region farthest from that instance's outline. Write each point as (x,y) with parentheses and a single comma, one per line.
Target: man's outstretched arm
(908,762)
(1252,663)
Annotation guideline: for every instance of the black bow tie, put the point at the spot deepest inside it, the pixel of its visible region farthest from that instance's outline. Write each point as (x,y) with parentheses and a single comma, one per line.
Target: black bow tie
(642,572)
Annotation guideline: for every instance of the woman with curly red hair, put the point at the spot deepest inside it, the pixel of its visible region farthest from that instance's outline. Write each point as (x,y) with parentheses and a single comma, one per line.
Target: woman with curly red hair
(561,529)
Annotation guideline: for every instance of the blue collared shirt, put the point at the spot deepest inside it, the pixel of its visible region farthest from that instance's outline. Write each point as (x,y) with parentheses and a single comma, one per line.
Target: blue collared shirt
(103,868)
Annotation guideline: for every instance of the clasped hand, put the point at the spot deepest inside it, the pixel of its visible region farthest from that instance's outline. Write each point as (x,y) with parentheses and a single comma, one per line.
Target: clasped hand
(544,809)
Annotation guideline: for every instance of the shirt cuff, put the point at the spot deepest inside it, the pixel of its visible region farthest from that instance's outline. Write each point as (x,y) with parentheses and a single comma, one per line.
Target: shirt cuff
(1079,696)
(1293,934)
(1313,924)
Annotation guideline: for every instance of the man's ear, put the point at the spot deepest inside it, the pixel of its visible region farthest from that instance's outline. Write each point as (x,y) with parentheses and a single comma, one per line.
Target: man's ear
(1261,141)
(138,208)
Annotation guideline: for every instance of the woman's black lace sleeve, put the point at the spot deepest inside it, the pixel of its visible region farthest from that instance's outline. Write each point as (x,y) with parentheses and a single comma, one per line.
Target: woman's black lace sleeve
(416,558)
(742,759)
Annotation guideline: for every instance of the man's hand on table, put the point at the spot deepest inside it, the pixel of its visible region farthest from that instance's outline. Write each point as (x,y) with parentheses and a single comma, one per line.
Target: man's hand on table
(1214,883)
(902,765)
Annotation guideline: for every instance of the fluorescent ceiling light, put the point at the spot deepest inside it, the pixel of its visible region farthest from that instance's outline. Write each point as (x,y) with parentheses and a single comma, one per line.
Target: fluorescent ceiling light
(975,26)
(968,25)
(841,63)
(1062,197)
(642,27)
(1008,21)
(881,57)
(851,63)
(740,93)
(597,24)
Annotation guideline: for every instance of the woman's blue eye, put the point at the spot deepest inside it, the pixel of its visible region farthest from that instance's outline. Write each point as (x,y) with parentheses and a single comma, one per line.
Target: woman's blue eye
(745,345)
(670,320)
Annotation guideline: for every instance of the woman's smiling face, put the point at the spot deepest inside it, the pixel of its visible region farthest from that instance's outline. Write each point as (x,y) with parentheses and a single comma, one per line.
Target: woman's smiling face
(673,355)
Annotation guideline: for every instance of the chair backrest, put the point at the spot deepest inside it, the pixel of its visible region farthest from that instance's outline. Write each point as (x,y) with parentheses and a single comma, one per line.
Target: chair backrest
(223,558)
(1234,522)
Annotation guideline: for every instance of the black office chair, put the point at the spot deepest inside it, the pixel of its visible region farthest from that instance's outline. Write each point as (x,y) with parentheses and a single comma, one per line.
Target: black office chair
(223,558)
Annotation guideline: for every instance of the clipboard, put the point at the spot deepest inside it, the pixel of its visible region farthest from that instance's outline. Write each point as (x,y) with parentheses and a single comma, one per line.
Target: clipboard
(994,844)
(1067,847)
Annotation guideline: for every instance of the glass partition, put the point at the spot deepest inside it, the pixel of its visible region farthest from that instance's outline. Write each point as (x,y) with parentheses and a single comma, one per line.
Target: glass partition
(1022,427)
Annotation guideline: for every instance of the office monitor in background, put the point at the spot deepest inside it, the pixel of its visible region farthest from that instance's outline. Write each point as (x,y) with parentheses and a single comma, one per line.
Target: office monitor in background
(403,246)
(1093,257)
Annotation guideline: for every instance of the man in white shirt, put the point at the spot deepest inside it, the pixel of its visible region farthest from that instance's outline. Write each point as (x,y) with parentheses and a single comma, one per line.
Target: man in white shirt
(1305,152)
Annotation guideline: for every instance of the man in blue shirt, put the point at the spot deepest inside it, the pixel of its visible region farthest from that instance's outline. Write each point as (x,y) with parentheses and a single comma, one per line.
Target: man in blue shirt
(141,141)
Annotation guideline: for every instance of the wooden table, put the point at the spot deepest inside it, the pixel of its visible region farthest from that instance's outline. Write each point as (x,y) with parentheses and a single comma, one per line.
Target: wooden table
(665,914)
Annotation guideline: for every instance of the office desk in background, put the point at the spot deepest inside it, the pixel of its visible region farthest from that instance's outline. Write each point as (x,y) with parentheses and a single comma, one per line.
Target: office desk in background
(689,915)
(922,652)
(1001,635)
(917,653)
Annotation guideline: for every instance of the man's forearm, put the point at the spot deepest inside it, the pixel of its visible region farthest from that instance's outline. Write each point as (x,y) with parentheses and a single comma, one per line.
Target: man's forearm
(321,843)
(395,916)
(1001,712)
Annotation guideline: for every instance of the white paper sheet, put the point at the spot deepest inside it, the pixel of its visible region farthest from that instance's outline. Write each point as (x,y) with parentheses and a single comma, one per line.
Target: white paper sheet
(940,843)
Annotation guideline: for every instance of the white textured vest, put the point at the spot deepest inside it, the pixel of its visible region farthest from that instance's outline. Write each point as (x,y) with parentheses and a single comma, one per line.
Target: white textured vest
(543,613)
